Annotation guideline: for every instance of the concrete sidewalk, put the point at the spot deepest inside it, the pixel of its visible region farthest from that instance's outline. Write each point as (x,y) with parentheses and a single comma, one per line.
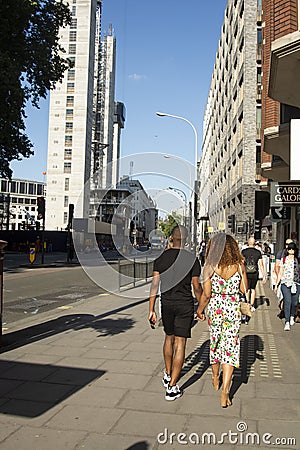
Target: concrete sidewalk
(90,377)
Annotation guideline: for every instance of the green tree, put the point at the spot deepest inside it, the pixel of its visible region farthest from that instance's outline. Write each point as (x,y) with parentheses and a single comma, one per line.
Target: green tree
(168,226)
(30,65)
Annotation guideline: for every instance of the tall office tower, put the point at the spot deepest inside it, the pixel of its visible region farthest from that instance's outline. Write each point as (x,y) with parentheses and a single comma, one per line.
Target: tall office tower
(232,138)
(71,120)
(103,143)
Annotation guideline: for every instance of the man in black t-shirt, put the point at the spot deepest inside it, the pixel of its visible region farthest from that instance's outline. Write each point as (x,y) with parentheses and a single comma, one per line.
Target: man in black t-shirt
(176,270)
(253,261)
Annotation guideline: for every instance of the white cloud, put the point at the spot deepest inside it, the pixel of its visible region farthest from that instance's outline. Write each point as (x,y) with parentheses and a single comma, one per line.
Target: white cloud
(137,76)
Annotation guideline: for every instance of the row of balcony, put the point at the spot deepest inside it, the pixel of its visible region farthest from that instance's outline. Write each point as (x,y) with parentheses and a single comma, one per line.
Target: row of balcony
(284,88)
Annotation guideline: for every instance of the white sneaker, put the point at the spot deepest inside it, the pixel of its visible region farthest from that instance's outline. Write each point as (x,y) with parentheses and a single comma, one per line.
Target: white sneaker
(292,321)
(173,392)
(166,379)
(252,309)
(287,326)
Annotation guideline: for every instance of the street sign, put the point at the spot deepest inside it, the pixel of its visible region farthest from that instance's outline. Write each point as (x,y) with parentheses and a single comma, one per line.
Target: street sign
(281,212)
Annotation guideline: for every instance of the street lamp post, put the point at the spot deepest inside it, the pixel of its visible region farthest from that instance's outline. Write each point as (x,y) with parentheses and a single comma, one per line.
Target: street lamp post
(2,246)
(185,200)
(194,196)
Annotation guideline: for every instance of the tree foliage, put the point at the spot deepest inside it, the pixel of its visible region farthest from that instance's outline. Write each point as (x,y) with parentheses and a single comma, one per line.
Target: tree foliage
(168,226)
(30,65)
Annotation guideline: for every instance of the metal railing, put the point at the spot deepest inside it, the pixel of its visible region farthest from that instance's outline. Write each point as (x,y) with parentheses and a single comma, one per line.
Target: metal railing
(134,272)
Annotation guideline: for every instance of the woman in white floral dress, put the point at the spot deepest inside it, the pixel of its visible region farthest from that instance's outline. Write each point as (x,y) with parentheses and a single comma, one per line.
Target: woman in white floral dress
(224,279)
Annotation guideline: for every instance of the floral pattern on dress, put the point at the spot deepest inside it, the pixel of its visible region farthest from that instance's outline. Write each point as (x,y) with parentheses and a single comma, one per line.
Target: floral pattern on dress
(224,319)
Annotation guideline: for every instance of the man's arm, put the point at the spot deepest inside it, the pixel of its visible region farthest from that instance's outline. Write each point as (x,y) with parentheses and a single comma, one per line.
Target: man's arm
(197,288)
(153,293)
(206,294)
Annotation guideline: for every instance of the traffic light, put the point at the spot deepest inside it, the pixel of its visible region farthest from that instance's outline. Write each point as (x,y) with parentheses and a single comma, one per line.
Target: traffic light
(231,223)
(41,207)
(251,225)
(257,228)
(71,214)
(257,225)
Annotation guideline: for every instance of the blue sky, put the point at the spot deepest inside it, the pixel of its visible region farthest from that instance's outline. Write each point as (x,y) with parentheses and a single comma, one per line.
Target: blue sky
(165,55)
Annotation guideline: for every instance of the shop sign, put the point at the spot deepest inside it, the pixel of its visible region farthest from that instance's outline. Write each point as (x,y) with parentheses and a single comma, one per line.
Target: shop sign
(284,193)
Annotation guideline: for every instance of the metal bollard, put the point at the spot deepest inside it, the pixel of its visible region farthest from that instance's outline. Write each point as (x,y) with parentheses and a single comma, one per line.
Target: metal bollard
(2,245)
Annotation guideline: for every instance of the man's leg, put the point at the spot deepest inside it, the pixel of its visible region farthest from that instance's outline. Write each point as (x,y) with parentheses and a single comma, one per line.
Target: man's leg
(178,358)
(168,350)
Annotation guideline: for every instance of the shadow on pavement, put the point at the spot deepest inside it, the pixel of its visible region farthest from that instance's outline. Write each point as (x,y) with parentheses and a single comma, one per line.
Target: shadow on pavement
(105,326)
(198,356)
(250,346)
(30,390)
(143,445)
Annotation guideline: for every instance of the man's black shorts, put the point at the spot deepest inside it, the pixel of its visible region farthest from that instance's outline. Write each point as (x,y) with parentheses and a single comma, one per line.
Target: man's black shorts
(177,317)
(252,280)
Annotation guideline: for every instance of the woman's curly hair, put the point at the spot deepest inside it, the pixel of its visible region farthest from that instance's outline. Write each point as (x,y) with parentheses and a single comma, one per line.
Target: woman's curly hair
(223,250)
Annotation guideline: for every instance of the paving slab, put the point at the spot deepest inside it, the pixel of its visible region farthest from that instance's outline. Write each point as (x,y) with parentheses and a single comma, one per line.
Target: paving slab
(274,408)
(30,438)
(85,418)
(147,424)
(126,380)
(110,442)
(134,367)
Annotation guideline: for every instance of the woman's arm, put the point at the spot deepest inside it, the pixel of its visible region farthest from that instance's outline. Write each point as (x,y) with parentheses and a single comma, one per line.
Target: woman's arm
(244,280)
(279,276)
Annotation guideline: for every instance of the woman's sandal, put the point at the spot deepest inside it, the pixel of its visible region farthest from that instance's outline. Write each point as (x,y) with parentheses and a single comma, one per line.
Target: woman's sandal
(225,400)
(216,382)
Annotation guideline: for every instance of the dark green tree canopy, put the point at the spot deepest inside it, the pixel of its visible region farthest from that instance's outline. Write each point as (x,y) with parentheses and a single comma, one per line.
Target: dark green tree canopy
(30,65)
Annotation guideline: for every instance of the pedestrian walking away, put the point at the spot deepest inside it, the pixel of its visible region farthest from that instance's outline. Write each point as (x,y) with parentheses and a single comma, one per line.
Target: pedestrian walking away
(280,255)
(253,263)
(176,271)
(289,280)
(224,279)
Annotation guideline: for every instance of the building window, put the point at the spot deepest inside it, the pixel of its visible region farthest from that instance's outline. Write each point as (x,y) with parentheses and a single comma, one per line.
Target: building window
(67,167)
(13,186)
(73,24)
(66,201)
(69,127)
(65,217)
(39,189)
(73,36)
(67,184)
(22,189)
(68,141)
(73,10)
(70,88)
(68,153)
(69,114)
(70,100)
(71,75)
(4,186)
(32,201)
(72,49)
(71,59)
(27,201)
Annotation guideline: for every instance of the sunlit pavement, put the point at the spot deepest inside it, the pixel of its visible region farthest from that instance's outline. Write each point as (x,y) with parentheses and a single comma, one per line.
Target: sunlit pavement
(89,376)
